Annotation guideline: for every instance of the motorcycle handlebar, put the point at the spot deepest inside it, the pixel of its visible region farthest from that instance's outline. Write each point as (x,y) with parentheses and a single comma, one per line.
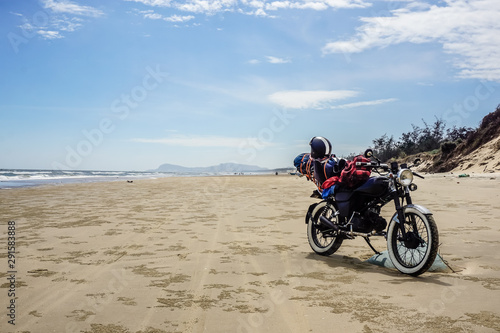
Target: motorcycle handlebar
(382,166)
(373,165)
(416,174)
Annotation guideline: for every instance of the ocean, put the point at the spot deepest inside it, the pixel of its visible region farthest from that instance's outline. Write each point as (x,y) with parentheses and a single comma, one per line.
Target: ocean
(15,178)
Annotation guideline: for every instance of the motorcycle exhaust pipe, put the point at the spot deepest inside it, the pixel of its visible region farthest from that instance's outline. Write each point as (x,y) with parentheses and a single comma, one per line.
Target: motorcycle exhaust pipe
(362,234)
(326,222)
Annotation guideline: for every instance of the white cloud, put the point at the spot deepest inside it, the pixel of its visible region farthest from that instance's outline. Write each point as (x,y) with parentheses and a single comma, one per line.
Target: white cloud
(66,24)
(260,12)
(154,3)
(65,16)
(271,60)
(68,7)
(316,5)
(425,84)
(252,7)
(275,60)
(150,14)
(178,19)
(207,6)
(364,103)
(196,141)
(277,5)
(47,34)
(26,26)
(315,99)
(467,29)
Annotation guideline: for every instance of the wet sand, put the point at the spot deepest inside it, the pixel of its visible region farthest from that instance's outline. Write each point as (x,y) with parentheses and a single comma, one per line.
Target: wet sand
(230,254)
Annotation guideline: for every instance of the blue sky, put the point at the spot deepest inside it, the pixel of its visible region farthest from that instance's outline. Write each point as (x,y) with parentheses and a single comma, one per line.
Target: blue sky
(129,85)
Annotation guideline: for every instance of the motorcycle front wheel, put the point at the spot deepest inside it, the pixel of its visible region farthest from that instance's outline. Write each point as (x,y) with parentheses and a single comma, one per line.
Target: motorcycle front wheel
(323,240)
(415,254)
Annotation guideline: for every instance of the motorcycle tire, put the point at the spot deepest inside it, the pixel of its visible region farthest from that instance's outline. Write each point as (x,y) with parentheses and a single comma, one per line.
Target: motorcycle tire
(417,253)
(323,241)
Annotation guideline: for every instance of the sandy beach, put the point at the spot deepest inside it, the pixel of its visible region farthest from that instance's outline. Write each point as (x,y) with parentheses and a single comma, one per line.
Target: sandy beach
(230,254)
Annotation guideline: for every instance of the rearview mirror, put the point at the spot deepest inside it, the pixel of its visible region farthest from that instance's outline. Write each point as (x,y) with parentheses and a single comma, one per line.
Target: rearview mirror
(368,153)
(417,162)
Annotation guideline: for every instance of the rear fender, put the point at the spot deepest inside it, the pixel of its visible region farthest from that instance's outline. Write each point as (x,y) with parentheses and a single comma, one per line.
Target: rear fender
(313,209)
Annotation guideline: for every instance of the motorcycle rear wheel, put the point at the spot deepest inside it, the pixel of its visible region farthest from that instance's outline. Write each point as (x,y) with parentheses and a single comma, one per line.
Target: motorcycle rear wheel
(323,240)
(416,254)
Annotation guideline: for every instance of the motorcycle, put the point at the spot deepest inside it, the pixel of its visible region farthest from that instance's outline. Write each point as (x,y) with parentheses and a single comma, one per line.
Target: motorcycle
(412,234)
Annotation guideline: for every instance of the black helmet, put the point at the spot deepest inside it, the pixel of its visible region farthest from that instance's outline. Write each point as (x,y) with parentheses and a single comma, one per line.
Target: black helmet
(320,147)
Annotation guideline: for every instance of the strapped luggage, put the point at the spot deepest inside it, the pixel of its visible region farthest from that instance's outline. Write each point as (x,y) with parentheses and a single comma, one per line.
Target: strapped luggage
(303,164)
(352,175)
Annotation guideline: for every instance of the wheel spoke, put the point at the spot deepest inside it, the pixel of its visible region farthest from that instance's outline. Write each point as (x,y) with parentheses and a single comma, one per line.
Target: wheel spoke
(414,253)
(323,240)
(415,228)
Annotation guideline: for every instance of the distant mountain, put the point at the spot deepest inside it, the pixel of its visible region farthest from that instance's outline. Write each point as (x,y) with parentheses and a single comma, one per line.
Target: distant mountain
(223,167)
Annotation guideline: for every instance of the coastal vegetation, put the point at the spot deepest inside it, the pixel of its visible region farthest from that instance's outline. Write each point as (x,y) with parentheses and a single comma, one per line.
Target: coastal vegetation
(438,142)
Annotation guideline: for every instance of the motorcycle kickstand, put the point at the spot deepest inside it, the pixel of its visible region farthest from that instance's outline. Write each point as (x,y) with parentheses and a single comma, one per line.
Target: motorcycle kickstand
(371,246)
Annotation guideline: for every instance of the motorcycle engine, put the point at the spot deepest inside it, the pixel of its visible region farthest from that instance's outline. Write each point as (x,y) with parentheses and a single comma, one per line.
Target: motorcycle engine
(371,220)
(378,222)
